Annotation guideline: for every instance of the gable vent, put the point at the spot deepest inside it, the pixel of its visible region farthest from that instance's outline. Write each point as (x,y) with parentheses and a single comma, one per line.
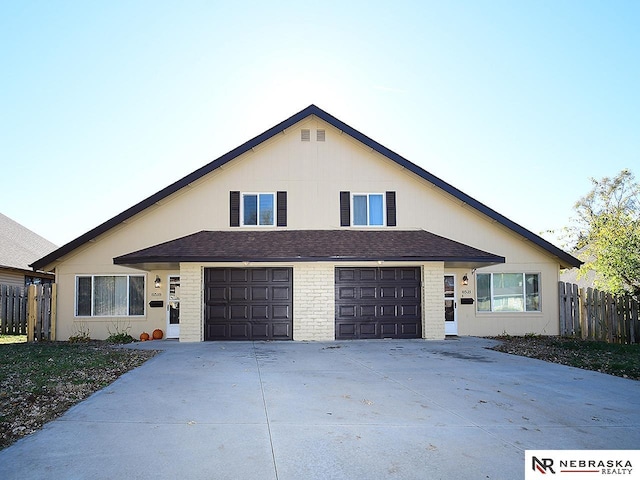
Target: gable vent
(305,135)
(320,135)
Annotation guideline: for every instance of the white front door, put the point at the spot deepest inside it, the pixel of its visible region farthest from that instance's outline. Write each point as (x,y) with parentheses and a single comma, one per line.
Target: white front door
(450,307)
(173,307)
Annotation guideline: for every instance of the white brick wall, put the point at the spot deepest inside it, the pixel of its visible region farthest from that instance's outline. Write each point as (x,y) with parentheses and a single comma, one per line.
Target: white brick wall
(433,301)
(313,301)
(191,303)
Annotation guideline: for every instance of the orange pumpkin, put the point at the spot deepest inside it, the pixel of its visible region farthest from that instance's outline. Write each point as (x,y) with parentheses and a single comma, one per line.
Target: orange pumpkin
(157,334)
(144,336)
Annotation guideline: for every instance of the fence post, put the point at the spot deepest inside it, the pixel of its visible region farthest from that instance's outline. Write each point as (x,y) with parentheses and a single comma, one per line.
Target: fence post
(32,312)
(54,310)
(584,319)
(561,300)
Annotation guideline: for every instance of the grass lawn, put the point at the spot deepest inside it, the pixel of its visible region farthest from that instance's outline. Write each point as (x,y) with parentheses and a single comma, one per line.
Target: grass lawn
(40,381)
(614,359)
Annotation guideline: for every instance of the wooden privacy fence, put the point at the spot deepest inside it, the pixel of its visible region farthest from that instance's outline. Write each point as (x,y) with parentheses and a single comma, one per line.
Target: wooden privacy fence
(28,311)
(591,314)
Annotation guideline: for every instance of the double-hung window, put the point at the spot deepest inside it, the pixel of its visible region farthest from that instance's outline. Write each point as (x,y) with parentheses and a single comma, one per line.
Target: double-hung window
(368,209)
(109,295)
(258,209)
(508,292)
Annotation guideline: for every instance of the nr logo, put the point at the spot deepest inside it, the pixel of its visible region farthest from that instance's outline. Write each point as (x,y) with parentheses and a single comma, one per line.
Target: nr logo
(542,465)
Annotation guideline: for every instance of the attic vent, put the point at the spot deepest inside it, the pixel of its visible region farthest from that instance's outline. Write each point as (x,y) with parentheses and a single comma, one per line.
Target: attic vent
(320,135)
(305,135)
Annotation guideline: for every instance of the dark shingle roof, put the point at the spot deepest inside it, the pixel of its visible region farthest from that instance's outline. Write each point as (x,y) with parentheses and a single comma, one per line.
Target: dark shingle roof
(310,245)
(19,246)
(565,259)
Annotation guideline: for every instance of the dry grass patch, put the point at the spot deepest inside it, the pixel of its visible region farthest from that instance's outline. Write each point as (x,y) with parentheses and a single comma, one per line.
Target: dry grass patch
(40,381)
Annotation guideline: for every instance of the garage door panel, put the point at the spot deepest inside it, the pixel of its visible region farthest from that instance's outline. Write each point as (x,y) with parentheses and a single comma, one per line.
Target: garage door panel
(281,330)
(217,294)
(388,311)
(240,275)
(248,304)
(281,275)
(238,293)
(378,302)
(238,331)
(281,312)
(410,292)
(368,292)
(409,330)
(368,330)
(388,292)
(409,311)
(259,312)
(280,293)
(259,293)
(367,274)
(238,312)
(346,292)
(216,311)
(368,311)
(259,331)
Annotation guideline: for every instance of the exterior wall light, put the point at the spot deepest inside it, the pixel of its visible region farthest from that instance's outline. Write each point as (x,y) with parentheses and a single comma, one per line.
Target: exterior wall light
(158,282)
(465,279)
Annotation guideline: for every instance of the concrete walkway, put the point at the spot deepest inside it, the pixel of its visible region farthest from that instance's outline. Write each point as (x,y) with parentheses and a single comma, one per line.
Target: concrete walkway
(341,410)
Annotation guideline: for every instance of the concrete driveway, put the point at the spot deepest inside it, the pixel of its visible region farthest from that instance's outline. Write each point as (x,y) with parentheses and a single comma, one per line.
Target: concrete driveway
(341,410)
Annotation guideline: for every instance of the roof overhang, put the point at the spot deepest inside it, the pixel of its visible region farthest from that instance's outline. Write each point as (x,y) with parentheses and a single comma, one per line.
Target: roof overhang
(294,246)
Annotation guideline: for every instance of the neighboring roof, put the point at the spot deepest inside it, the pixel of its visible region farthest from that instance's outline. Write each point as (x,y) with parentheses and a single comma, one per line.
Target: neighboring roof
(311,245)
(566,260)
(19,246)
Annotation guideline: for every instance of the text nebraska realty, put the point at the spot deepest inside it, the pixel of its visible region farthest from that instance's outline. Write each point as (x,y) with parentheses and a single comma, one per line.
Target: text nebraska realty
(606,467)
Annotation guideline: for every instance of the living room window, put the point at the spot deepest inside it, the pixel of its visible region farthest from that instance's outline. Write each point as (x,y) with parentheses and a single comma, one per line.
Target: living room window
(109,295)
(368,209)
(508,292)
(258,209)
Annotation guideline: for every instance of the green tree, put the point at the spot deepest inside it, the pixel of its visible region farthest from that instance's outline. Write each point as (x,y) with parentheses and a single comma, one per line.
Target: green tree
(607,232)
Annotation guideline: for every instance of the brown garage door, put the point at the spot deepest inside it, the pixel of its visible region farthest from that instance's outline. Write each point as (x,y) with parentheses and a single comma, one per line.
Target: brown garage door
(378,303)
(248,303)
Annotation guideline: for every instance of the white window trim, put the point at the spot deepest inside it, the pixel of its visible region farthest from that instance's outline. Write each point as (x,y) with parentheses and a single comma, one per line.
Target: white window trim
(368,194)
(75,297)
(512,312)
(275,209)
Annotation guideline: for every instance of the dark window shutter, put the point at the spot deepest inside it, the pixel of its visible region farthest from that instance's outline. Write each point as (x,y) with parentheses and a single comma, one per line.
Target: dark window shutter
(234,210)
(282,209)
(391,209)
(345,209)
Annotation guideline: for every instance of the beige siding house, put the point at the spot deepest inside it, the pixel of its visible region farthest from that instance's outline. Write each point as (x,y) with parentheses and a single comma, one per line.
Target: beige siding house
(309,231)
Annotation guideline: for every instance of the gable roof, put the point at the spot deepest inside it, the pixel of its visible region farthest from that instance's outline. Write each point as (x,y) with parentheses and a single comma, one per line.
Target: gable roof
(20,246)
(565,258)
(310,246)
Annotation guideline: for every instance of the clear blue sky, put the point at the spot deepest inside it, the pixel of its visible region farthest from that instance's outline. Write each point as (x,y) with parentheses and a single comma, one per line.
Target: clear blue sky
(517,103)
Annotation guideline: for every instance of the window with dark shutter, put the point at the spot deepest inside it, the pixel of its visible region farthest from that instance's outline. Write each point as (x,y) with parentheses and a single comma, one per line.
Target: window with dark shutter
(391,209)
(281,209)
(234,210)
(345,209)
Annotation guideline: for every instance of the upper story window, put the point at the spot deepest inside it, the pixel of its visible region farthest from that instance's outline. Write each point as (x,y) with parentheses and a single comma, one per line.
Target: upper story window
(508,292)
(368,209)
(258,209)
